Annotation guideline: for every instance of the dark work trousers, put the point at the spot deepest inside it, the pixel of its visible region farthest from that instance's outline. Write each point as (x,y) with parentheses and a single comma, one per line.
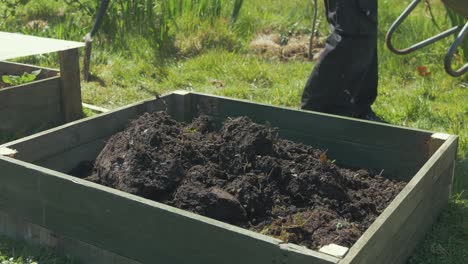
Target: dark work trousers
(345,78)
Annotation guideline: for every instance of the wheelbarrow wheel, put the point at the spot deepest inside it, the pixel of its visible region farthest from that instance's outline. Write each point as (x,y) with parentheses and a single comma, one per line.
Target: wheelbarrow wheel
(451,53)
(457,6)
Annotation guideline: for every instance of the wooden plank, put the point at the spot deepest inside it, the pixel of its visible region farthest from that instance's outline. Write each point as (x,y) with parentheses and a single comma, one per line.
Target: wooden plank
(181,106)
(70,84)
(18,229)
(413,230)
(378,237)
(69,159)
(16,45)
(58,140)
(96,109)
(399,151)
(401,244)
(300,255)
(8,152)
(14,68)
(402,214)
(436,140)
(30,107)
(131,226)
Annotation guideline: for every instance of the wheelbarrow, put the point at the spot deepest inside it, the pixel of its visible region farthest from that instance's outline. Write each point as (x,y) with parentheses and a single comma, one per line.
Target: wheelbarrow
(458,6)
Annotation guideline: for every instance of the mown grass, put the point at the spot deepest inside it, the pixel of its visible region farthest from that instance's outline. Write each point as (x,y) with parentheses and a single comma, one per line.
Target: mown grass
(205,55)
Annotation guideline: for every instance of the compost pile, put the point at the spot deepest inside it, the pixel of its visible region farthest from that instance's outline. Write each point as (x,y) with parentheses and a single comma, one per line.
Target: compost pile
(244,174)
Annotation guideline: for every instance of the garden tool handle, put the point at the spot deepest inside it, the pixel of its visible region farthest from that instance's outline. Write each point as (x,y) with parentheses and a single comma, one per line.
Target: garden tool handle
(419,45)
(89,37)
(99,16)
(451,52)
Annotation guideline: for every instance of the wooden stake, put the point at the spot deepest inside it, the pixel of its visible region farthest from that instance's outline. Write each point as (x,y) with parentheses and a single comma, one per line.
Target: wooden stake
(70,85)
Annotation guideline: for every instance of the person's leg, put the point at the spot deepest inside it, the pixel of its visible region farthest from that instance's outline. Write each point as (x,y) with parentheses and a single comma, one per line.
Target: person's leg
(367,94)
(344,80)
(322,84)
(362,75)
(326,79)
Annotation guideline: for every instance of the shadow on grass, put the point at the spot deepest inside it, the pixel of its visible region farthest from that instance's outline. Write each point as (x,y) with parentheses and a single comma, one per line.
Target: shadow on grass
(97,79)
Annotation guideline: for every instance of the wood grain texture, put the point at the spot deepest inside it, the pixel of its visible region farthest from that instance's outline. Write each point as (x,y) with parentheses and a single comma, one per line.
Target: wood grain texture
(133,227)
(19,229)
(56,141)
(30,107)
(70,85)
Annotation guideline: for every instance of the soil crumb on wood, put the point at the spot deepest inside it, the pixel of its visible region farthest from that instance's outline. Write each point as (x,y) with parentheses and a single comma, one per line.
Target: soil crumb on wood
(244,174)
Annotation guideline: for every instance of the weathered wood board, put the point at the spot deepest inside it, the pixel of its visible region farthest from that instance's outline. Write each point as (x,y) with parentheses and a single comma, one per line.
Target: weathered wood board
(38,105)
(35,188)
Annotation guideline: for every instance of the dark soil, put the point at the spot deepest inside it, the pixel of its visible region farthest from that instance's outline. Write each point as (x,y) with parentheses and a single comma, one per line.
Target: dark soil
(2,84)
(245,175)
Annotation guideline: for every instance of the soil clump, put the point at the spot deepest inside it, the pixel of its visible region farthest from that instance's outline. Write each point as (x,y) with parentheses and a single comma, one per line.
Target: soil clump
(244,174)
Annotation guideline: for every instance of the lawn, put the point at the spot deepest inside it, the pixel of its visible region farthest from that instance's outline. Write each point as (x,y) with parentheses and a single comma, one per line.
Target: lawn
(261,57)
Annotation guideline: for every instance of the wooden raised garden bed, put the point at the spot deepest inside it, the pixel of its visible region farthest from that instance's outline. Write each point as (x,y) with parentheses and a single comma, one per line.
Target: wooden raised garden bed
(53,98)
(40,202)
(38,105)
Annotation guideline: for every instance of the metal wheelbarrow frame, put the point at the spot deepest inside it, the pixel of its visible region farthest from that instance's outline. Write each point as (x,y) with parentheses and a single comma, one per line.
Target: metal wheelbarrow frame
(460,30)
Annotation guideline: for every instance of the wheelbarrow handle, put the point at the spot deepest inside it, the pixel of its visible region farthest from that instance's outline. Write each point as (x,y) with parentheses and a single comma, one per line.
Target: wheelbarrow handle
(451,52)
(419,45)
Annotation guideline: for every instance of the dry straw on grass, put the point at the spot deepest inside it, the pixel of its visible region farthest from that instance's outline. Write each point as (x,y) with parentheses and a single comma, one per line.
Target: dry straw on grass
(271,46)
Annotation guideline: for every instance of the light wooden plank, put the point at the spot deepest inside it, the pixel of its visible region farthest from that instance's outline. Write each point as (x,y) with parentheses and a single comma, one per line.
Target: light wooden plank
(96,109)
(131,226)
(8,152)
(16,45)
(436,140)
(70,85)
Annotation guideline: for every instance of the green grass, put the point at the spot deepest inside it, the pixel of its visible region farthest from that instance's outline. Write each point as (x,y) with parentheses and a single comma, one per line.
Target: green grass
(204,55)
(20,253)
